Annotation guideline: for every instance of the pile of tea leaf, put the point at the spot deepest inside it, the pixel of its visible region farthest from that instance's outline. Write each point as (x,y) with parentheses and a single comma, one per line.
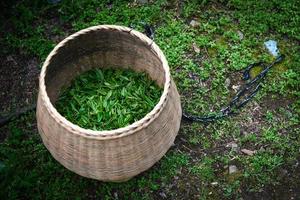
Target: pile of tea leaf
(106,99)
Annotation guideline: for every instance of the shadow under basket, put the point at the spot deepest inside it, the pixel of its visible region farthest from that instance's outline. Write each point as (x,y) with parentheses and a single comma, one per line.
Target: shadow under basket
(115,155)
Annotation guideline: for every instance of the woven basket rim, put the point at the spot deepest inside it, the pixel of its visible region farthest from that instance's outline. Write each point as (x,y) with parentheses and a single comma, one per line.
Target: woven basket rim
(115,133)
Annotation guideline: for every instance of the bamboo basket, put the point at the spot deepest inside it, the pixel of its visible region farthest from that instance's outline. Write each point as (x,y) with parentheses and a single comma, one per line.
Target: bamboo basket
(115,155)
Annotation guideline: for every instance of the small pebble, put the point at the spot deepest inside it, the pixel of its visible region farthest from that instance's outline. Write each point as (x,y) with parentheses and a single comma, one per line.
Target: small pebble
(163,195)
(241,35)
(227,82)
(232,145)
(116,195)
(232,169)
(194,23)
(214,183)
(196,48)
(236,87)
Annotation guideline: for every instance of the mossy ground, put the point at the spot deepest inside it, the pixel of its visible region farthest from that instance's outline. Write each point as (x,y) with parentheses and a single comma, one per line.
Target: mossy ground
(230,36)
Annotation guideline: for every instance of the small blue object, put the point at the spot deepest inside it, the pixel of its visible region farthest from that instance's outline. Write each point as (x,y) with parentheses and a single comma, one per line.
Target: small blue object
(271,45)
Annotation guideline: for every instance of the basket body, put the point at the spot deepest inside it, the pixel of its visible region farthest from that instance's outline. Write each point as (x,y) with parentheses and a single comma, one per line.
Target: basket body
(115,155)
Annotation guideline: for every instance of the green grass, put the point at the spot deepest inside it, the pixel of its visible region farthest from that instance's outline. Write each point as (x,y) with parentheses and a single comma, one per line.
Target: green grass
(269,124)
(106,99)
(50,180)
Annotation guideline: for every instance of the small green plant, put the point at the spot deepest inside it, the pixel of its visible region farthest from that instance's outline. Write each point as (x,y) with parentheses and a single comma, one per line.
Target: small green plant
(105,99)
(204,169)
(262,168)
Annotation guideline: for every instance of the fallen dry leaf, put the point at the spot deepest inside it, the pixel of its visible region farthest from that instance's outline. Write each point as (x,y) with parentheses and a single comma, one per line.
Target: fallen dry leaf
(248,152)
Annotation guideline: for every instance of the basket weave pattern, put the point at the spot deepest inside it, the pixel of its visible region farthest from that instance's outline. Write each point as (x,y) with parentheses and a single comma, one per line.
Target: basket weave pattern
(115,155)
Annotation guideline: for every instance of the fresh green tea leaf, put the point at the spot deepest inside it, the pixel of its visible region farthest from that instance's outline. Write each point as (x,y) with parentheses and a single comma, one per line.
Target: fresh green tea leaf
(105,99)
